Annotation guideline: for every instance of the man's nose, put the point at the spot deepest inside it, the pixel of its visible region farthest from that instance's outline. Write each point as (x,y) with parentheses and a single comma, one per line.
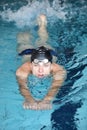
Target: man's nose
(40,69)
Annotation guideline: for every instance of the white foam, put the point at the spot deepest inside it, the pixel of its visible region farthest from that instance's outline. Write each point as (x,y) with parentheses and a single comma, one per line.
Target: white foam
(26,15)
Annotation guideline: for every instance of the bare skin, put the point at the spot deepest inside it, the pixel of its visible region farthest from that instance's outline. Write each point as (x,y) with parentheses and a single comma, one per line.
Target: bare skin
(22,74)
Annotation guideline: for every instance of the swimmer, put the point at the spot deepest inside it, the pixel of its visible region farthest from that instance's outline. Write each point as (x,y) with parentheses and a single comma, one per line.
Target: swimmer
(40,65)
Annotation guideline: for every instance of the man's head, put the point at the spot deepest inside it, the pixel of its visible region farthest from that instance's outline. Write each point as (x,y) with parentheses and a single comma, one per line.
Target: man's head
(41,60)
(41,54)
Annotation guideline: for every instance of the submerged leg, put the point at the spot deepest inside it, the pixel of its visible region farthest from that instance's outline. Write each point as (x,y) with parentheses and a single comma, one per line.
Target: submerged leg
(42,32)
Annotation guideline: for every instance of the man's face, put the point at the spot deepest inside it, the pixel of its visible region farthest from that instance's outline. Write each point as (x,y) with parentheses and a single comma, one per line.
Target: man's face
(41,69)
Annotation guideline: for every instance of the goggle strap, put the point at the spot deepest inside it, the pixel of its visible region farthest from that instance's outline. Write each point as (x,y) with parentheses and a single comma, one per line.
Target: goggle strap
(29,51)
(26,52)
(53,53)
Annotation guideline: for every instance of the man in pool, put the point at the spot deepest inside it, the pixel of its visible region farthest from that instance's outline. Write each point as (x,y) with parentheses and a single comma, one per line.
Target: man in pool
(40,65)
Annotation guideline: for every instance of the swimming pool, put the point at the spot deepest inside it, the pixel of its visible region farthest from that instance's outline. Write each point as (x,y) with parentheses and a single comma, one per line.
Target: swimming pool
(67,27)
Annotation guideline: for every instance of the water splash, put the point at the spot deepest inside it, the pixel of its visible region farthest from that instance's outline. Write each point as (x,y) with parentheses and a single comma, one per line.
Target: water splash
(26,14)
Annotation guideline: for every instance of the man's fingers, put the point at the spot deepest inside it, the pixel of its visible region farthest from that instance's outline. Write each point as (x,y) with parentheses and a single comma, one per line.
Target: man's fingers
(44,106)
(37,106)
(27,105)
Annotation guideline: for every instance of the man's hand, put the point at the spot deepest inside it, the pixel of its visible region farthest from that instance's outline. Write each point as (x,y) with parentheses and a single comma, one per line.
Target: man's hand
(37,105)
(30,105)
(44,105)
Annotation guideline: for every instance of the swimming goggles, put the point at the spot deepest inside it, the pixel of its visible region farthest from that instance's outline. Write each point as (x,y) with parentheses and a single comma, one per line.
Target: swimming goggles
(36,61)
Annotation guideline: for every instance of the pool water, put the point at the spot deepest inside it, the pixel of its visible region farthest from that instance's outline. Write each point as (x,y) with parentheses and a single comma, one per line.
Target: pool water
(67,28)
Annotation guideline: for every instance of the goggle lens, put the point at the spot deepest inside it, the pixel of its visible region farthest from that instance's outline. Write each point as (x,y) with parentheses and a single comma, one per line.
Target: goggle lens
(36,61)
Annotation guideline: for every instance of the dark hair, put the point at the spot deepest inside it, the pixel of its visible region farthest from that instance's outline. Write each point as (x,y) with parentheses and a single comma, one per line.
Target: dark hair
(41,53)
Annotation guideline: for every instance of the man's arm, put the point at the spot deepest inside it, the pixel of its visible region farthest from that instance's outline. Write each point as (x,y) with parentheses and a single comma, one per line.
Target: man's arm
(59,75)
(22,75)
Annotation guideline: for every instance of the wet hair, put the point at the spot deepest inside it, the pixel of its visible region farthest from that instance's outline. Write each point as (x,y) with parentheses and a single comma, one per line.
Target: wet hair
(41,53)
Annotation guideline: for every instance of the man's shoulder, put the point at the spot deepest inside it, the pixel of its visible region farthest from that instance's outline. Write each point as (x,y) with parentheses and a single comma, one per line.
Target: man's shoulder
(56,67)
(59,71)
(24,67)
(26,63)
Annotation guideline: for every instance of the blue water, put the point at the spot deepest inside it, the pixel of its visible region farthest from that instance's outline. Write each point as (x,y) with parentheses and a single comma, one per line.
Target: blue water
(67,27)
(39,87)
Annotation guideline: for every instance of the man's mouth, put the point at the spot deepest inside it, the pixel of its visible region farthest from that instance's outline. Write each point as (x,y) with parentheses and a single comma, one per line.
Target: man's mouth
(40,75)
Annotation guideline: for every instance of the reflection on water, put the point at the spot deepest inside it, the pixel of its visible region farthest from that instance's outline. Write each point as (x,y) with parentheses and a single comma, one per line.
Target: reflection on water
(67,27)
